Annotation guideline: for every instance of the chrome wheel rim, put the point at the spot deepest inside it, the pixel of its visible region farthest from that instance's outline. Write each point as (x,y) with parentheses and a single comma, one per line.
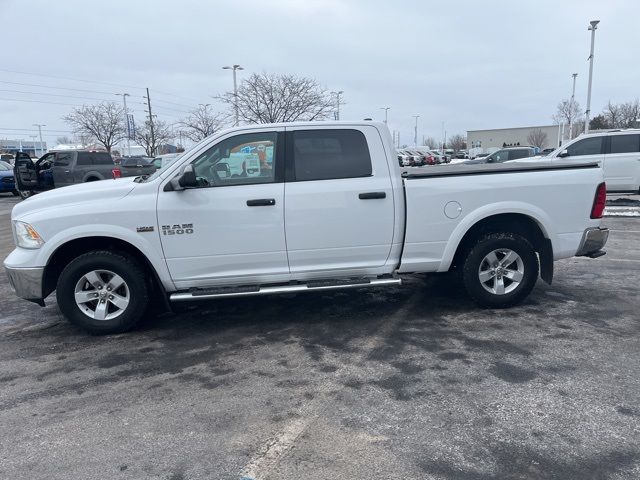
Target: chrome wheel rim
(102,295)
(501,271)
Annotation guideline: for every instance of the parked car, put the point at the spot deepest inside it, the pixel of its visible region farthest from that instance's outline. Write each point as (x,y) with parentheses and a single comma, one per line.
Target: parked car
(7,181)
(165,159)
(135,166)
(416,158)
(61,168)
(329,209)
(547,151)
(404,160)
(618,151)
(7,158)
(503,155)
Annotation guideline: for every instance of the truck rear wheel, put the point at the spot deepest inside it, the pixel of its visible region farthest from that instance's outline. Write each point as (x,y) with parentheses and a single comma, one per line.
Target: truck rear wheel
(103,292)
(500,270)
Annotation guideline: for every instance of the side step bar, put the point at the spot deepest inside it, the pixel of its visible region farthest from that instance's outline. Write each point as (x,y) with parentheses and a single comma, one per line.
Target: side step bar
(314,285)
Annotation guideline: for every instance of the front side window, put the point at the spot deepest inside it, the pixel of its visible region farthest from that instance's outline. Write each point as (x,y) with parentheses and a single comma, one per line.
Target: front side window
(61,160)
(330,154)
(586,146)
(241,160)
(625,143)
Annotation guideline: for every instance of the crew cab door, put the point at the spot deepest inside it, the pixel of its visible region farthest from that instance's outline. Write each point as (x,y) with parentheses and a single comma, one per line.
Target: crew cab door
(339,205)
(229,229)
(25,173)
(622,162)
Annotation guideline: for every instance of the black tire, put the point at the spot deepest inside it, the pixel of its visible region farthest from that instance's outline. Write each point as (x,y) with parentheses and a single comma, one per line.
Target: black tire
(15,193)
(120,264)
(475,257)
(24,194)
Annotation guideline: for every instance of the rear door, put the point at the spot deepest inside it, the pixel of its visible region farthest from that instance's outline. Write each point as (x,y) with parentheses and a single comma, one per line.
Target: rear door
(622,162)
(339,210)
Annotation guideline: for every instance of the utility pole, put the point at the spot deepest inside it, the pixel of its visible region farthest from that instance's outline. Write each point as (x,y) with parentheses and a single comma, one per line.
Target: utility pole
(153,136)
(33,139)
(235,90)
(573,96)
(386,111)
(126,119)
(338,102)
(415,131)
(593,27)
(39,125)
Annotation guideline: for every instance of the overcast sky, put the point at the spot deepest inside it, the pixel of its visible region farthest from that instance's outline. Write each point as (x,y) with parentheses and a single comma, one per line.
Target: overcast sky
(471,64)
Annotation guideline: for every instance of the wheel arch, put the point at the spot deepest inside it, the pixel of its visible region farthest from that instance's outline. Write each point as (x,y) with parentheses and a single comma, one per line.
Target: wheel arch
(70,250)
(519,223)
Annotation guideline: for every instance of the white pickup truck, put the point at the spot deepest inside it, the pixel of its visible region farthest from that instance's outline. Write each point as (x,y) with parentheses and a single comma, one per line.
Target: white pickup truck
(300,207)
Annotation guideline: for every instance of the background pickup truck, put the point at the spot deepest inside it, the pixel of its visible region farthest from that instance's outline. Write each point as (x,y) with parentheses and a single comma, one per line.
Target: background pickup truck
(134,166)
(298,207)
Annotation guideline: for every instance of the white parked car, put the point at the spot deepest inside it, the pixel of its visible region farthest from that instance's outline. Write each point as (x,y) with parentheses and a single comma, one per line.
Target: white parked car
(617,151)
(327,208)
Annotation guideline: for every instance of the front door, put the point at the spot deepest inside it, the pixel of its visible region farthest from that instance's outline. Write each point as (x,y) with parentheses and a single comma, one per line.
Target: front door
(229,229)
(26,173)
(622,162)
(339,205)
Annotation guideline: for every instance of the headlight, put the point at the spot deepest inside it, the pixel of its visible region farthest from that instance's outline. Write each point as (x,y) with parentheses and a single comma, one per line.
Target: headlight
(26,236)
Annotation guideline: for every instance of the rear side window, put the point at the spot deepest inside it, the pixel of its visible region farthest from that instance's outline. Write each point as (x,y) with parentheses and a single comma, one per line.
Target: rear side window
(84,159)
(102,158)
(586,146)
(625,143)
(329,154)
(523,153)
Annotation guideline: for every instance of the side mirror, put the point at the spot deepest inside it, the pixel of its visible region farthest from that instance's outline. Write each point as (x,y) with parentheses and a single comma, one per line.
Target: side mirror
(563,153)
(186,179)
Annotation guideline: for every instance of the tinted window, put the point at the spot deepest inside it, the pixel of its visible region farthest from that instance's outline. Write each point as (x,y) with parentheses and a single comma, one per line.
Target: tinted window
(101,158)
(523,153)
(326,154)
(587,146)
(241,160)
(61,160)
(84,159)
(625,143)
(132,162)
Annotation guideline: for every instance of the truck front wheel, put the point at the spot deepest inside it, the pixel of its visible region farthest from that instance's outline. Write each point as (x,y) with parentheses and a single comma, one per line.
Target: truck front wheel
(102,292)
(500,270)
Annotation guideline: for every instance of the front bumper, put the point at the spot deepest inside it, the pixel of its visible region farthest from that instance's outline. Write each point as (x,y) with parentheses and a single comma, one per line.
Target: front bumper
(27,282)
(593,239)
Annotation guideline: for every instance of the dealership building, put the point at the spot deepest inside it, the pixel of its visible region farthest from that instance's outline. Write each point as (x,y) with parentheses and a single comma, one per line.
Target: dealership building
(488,141)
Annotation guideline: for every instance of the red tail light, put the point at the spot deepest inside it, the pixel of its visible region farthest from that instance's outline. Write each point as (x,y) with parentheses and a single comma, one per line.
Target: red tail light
(116,173)
(599,201)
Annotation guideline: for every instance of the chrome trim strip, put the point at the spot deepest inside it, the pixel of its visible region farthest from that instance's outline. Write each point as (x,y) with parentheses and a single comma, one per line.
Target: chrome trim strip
(377,282)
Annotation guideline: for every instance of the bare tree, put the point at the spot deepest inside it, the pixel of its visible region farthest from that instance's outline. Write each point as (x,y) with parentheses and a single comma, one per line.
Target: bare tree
(64,140)
(102,122)
(201,123)
(161,135)
(567,112)
(622,115)
(431,142)
(537,137)
(458,142)
(270,98)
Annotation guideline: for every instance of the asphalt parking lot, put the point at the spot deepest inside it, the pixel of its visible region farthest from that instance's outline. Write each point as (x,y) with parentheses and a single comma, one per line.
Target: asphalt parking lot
(409,382)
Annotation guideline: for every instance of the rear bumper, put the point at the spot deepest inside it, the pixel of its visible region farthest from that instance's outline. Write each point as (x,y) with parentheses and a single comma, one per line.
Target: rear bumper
(27,282)
(593,239)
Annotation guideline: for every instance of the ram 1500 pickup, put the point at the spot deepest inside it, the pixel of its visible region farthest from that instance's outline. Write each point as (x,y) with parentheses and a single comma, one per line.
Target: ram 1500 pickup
(298,207)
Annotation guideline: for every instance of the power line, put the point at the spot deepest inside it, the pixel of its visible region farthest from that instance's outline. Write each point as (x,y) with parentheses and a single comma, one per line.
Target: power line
(55,88)
(54,95)
(70,78)
(39,101)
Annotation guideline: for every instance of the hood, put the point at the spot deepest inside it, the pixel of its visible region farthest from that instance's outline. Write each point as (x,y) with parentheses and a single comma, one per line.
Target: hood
(108,190)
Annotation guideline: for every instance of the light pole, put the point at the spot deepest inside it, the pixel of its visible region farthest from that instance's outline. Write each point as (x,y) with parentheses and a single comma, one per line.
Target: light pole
(386,113)
(593,27)
(235,89)
(337,94)
(33,137)
(126,120)
(39,125)
(571,103)
(415,131)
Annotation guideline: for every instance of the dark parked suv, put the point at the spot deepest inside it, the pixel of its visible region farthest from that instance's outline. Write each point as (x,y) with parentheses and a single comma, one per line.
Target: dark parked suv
(58,169)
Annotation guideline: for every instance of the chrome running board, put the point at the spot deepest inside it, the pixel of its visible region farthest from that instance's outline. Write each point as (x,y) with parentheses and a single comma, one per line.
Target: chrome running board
(311,286)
